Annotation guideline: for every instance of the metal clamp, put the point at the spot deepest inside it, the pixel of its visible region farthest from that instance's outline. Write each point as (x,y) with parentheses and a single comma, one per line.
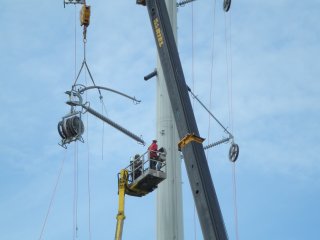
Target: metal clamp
(72,2)
(190,137)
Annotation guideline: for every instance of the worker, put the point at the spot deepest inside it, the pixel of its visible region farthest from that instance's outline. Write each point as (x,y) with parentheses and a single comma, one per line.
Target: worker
(161,158)
(137,166)
(153,155)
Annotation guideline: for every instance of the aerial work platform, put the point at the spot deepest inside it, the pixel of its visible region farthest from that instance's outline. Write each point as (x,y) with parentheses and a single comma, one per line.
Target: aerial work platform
(141,177)
(145,173)
(145,183)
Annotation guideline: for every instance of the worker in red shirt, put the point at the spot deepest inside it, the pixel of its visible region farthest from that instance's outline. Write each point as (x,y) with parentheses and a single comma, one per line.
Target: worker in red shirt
(153,155)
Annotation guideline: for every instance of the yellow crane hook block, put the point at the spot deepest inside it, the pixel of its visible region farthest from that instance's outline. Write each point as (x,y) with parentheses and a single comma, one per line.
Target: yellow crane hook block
(85,15)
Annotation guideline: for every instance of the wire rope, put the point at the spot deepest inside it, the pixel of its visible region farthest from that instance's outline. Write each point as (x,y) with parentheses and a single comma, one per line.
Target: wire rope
(175,199)
(102,138)
(230,107)
(104,109)
(227,65)
(193,89)
(211,71)
(234,182)
(88,160)
(75,180)
(75,40)
(231,72)
(88,181)
(192,50)
(194,221)
(228,44)
(76,150)
(53,195)
(75,191)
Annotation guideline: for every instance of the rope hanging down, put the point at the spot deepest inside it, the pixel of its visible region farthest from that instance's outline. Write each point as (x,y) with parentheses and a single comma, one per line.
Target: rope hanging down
(52,196)
(212,66)
(230,100)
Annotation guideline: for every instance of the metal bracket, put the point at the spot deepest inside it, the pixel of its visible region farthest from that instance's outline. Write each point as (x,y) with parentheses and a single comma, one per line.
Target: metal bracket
(190,137)
(72,2)
(151,75)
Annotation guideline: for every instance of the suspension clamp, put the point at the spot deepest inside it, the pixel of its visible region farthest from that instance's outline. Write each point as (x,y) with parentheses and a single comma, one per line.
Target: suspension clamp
(190,137)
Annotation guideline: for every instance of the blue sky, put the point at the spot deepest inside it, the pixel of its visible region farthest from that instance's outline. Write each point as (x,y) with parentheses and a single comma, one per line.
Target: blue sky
(275,76)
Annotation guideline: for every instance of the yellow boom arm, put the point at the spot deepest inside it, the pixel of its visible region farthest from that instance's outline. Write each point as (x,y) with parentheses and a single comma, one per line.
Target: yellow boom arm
(123,180)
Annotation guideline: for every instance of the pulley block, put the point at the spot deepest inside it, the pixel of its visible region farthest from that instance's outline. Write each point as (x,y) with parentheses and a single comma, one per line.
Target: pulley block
(85,15)
(233,152)
(226,5)
(70,128)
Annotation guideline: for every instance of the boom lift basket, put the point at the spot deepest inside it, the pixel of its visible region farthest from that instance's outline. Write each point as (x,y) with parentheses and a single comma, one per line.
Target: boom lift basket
(145,174)
(141,177)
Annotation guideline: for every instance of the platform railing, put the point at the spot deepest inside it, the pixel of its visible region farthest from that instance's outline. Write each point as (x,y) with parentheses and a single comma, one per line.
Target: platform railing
(139,164)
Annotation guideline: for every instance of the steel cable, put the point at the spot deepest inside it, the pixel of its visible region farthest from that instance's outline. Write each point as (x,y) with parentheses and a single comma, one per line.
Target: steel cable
(75,192)
(53,195)
(211,72)
(231,116)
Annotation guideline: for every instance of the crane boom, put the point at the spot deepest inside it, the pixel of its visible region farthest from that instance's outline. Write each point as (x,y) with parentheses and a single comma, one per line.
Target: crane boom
(204,194)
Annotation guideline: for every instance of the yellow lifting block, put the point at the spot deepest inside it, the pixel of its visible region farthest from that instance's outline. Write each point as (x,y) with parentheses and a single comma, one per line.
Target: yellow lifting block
(189,138)
(85,15)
